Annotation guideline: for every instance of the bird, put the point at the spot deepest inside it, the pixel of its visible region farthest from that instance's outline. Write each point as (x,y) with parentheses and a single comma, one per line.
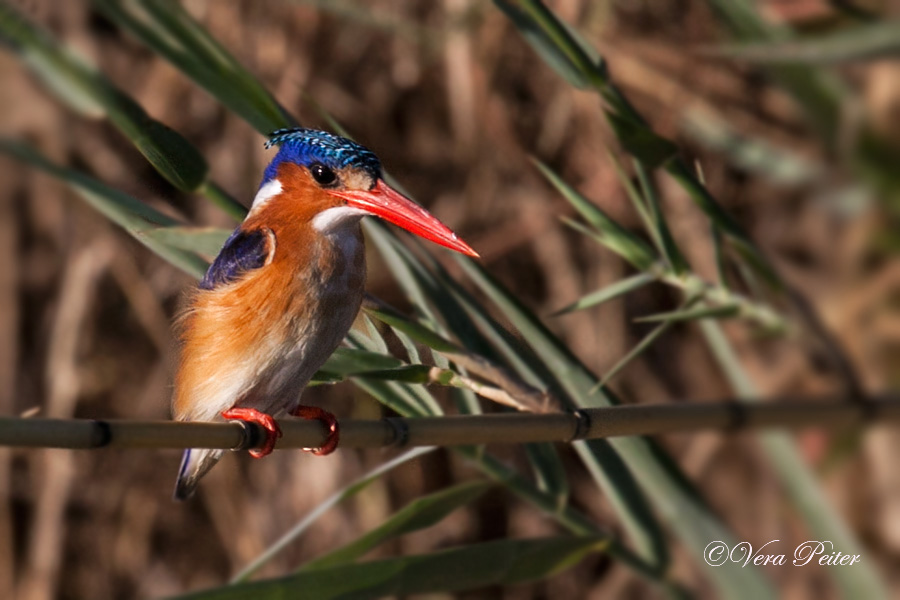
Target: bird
(284,290)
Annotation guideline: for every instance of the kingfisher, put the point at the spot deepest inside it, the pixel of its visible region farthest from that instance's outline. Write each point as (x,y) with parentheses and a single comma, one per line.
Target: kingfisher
(284,290)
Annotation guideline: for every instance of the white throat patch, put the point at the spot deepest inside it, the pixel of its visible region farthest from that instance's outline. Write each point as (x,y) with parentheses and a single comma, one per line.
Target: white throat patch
(335,218)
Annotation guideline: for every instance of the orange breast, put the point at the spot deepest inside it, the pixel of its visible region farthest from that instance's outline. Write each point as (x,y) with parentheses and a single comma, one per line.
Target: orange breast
(257,341)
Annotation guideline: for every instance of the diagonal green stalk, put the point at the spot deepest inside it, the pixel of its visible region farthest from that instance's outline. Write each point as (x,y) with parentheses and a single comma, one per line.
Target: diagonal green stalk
(80,85)
(169,30)
(550,36)
(674,498)
(798,481)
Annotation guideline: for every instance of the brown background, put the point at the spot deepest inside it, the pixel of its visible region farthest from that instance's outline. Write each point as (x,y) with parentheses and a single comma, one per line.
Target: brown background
(454,103)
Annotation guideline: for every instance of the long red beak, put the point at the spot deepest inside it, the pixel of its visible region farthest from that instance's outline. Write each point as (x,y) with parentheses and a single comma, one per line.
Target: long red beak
(392,206)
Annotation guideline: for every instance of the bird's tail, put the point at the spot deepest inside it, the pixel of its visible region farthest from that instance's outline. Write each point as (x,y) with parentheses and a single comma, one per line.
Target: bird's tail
(194,464)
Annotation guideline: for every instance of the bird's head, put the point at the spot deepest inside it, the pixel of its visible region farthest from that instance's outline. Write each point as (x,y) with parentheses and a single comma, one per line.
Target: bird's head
(341,181)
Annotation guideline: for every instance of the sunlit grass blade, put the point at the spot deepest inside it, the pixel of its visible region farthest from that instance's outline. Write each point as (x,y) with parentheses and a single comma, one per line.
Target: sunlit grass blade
(132,215)
(405,399)
(497,563)
(639,349)
(640,141)
(570,65)
(206,241)
(601,461)
(416,331)
(534,15)
(548,503)
(797,479)
(417,281)
(348,361)
(720,219)
(665,486)
(375,335)
(81,86)
(609,292)
(544,459)
(755,155)
(637,201)
(719,251)
(421,513)
(169,30)
(673,256)
(693,314)
(819,93)
(549,472)
(408,374)
(614,236)
(866,41)
(341,495)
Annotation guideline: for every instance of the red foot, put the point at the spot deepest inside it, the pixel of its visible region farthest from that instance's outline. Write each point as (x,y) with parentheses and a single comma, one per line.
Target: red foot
(273,431)
(334,434)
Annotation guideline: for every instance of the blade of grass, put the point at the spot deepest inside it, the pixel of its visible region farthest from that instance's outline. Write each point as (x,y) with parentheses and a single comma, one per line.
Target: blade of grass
(348,361)
(339,496)
(543,459)
(567,516)
(871,40)
(533,15)
(605,294)
(132,215)
(719,251)
(817,92)
(78,84)
(613,236)
(639,349)
(799,483)
(755,155)
(202,240)
(675,259)
(405,399)
(504,562)
(419,514)
(693,314)
(601,461)
(169,30)
(674,498)
(549,472)
(569,64)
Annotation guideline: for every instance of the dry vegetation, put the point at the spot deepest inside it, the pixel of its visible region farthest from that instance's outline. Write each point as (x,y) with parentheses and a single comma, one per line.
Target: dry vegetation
(454,103)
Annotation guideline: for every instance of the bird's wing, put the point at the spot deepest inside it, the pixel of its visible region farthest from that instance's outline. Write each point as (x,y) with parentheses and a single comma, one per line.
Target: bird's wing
(242,252)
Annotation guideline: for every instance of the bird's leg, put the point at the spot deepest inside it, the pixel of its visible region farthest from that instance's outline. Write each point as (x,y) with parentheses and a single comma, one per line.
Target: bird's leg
(331,424)
(273,431)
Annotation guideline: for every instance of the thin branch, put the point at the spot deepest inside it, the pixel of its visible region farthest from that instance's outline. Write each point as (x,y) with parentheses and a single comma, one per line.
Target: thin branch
(494,394)
(514,428)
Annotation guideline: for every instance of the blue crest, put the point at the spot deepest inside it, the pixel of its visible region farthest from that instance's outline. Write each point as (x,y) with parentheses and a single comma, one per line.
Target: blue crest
(307,146)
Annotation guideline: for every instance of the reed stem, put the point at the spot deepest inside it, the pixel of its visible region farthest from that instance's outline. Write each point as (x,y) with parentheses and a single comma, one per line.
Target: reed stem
(513,428)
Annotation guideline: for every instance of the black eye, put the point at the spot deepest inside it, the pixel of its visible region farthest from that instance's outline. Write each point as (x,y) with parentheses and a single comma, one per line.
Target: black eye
(322,174)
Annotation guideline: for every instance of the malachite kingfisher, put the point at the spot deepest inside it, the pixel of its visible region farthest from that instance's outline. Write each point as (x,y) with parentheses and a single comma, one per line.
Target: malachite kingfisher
(285,289)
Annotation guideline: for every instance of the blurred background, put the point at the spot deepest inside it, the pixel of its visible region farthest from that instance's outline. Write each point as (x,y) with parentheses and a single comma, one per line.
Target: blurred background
(455,104)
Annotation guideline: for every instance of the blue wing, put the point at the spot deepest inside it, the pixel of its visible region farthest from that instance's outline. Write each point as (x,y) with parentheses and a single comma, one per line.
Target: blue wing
(242,252)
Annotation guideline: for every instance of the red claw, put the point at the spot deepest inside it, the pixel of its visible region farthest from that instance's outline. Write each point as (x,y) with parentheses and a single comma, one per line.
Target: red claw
(273,431)
(330,422)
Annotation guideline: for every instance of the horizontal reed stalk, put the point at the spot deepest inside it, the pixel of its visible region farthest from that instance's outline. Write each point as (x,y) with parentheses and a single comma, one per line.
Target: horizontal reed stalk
(513,428)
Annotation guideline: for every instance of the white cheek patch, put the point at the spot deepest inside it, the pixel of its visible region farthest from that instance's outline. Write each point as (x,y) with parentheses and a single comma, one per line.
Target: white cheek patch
(268,191)
(336,217)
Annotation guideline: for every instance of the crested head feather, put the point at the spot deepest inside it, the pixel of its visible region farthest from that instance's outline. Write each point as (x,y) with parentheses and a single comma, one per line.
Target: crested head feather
(307,146)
